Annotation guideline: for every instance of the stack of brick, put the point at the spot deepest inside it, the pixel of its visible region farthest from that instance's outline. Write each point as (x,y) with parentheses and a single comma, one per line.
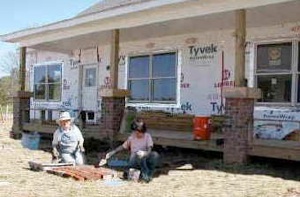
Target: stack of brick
(84,173)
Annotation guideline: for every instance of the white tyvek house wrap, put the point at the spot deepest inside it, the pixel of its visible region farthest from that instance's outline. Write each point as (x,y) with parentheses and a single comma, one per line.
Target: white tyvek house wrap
(199,81)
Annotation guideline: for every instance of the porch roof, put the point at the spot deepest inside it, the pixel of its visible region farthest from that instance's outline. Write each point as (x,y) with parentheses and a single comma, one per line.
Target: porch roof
(140,19)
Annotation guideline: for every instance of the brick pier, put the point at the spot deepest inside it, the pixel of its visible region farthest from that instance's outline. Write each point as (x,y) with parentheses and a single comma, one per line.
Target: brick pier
(238,133)
(21,112)
(113,106)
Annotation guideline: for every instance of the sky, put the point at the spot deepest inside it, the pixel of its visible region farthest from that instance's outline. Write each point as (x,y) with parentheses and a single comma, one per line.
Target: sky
(17,15)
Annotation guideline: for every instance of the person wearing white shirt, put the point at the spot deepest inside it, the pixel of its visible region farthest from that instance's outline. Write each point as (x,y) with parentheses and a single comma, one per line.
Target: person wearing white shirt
(67,142)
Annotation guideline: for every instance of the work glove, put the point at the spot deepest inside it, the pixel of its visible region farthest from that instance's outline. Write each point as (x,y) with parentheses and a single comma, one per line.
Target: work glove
(81,148)
(141,153)
(55,153)
(109,154)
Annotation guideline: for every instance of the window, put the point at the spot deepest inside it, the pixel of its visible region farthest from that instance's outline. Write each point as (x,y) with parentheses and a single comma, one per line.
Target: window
(47,82)
(274,72)
(90,77)
(153,78)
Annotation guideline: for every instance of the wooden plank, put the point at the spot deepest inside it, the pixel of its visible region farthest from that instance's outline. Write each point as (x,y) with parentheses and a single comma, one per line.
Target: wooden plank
(46,166)
(277,143)
(275,152)
(39,127)
(179,139)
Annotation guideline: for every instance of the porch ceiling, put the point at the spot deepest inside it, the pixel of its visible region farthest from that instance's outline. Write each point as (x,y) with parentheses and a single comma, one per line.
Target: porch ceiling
(259,16)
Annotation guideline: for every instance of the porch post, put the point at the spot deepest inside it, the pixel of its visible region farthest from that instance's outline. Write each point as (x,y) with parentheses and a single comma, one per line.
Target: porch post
(113,99)
(22,72)
(239,105)
(21,101)
(238,133)
(240,45)
(114,58)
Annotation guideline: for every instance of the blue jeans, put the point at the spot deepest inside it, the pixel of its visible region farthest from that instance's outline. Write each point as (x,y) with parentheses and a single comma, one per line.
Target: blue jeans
(75,158)
(146,164)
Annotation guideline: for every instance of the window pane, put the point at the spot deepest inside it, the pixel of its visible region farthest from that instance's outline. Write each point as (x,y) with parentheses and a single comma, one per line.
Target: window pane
(39,91)
(90,77)
(54,73)
(164,65)
(274,57)
(164,90)
(139,67)
(39,74)
(275,88)
(54,91)
(139,89)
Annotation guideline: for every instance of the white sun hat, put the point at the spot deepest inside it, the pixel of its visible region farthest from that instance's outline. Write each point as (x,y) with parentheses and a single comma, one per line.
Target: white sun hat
(64,116)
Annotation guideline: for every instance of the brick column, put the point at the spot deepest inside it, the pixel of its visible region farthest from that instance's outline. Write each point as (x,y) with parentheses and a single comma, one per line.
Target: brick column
(239,110)
(113,106)
(21,106)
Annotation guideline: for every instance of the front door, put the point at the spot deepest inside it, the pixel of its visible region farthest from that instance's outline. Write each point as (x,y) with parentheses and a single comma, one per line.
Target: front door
(89,91)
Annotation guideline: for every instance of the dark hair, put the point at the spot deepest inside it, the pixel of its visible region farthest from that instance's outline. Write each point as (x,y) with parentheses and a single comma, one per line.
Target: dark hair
(138,125)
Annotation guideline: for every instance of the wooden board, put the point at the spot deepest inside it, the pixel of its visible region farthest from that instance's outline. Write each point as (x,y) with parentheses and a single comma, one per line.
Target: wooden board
(37,166)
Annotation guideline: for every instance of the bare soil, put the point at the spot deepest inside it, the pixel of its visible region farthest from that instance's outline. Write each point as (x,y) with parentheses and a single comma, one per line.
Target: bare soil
(181,173)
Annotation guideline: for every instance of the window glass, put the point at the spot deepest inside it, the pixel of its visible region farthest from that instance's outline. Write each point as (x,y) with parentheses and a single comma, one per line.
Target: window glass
(47,82)
(90,77)
(153,78)
(164,90)
(139,67)
(40,91)
(54,73)
(275,88)
(139,90)
(274,57)
(54,91)
(164,65)
(40,74)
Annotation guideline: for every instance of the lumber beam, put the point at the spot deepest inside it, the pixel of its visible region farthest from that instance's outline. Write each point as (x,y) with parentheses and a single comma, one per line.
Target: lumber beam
(114,58)
(240,45)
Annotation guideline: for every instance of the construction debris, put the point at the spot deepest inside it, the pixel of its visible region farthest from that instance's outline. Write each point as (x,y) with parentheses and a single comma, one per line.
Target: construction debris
(81,173)
(36,166)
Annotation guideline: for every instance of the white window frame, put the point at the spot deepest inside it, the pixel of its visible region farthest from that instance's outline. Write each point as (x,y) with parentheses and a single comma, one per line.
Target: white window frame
(175,104)
(293,72)
(47,91)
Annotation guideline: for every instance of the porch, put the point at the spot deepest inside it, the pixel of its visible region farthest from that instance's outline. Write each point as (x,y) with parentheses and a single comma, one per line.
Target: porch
(279,149)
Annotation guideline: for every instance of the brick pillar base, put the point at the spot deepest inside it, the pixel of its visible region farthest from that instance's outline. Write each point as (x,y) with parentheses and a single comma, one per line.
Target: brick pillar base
(113,106)
(112,113)
(239,109)
(21,106)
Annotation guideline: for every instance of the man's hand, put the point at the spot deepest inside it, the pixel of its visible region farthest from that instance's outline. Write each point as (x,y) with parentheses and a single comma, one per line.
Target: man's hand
(109,154)
(141,153)
(81,148)
(55,153)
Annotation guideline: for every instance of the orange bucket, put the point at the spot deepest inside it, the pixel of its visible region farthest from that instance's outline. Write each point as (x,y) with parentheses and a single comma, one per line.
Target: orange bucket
(201,128)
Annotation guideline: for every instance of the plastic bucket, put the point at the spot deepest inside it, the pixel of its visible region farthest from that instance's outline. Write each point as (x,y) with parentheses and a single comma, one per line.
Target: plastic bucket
(30,141)
(201,129)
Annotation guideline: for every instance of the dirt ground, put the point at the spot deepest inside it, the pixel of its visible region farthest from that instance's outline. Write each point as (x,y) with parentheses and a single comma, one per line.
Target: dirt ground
(181,173)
